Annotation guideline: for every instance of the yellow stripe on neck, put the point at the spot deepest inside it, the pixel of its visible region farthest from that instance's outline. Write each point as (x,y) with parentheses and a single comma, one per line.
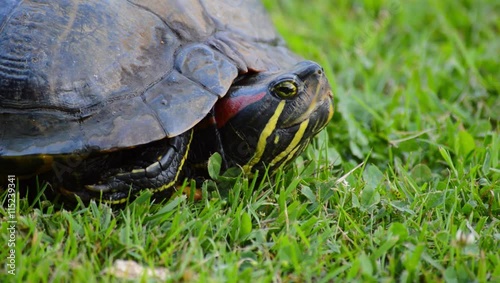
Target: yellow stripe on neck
(293,152)
(293,144)
(262,142)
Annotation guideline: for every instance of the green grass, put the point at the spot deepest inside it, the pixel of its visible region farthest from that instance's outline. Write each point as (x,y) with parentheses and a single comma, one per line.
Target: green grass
(410,158)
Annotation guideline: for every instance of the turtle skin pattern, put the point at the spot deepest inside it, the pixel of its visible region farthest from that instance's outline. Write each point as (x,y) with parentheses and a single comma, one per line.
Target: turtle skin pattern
(107,98)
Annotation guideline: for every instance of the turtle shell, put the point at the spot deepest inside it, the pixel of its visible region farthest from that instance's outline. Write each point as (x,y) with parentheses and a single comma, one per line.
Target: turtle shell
(94,75)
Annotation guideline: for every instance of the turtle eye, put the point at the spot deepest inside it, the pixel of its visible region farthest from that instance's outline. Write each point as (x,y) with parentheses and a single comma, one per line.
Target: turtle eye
(285,89)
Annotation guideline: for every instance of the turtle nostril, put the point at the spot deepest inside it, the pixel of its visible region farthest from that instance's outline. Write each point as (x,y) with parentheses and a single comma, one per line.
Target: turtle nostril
(320,73)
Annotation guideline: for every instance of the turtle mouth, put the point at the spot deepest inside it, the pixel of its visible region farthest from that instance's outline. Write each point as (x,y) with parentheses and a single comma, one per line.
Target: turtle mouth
(323,113)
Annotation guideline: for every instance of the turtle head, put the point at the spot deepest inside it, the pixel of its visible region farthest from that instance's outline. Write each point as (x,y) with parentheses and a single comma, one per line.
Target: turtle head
(267,119)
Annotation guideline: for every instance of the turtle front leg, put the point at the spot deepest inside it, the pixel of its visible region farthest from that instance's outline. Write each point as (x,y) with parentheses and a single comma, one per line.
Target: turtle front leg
(160,176)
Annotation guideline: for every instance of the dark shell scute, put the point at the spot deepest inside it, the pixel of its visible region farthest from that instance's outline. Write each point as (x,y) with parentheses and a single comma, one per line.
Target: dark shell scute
(179,103)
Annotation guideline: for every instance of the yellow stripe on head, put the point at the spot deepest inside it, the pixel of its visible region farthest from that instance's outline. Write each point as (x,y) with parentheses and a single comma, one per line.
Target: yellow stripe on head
(294,151)
(262,142)
(293,144)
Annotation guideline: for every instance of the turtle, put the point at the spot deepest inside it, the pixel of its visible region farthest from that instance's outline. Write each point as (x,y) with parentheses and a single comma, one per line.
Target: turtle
(106,98)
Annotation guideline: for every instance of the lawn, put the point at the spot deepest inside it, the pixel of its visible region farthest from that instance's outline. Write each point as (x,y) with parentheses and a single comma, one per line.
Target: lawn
(402,186)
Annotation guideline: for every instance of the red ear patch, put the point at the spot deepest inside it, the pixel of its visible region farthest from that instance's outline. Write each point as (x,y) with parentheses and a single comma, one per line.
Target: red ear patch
(228,107)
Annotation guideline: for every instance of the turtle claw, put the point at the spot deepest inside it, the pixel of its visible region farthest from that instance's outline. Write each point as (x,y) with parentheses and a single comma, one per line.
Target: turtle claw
(159,176)
(113,191)
(98,188)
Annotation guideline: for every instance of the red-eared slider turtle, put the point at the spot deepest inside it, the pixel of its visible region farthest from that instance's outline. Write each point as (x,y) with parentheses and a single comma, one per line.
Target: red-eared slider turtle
(110,97)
